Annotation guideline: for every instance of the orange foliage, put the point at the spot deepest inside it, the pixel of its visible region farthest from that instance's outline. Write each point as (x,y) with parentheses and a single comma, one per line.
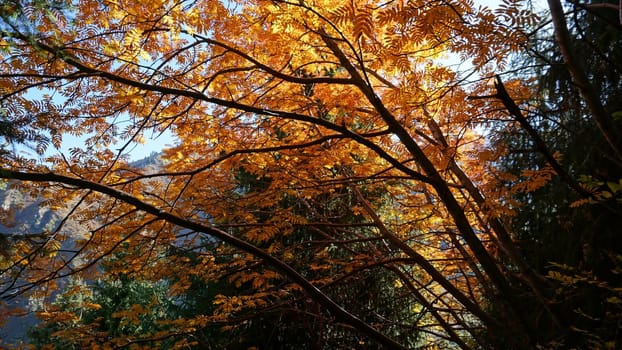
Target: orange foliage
(343,116)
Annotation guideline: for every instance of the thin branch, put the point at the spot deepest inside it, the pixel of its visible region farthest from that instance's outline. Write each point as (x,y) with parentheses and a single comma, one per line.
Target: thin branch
(280,265)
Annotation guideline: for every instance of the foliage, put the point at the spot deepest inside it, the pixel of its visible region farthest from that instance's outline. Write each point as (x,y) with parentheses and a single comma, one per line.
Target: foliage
(571,221)
(105,313)
(332,170)
(291,320)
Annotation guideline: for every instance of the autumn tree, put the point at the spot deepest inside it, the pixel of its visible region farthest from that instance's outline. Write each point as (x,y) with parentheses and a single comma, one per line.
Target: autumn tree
(292,320)
(289,321)
(324,106)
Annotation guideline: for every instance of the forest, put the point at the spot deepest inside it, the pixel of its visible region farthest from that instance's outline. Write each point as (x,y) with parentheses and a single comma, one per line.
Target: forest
(394,174)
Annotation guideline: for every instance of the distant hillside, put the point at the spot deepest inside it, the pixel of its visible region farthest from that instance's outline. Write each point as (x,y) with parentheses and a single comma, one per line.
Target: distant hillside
(153,161)
(20,215)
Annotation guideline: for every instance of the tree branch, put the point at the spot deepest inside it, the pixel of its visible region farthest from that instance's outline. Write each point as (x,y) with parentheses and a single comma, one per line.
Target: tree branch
(283,267)
(580,78)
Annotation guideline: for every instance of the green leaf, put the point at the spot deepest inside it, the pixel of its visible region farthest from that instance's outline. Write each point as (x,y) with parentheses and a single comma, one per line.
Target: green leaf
(615,187)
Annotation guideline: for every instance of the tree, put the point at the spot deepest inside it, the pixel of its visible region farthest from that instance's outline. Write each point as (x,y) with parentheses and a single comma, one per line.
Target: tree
(317,103)
(292,321)
(564,233)
(84,315)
